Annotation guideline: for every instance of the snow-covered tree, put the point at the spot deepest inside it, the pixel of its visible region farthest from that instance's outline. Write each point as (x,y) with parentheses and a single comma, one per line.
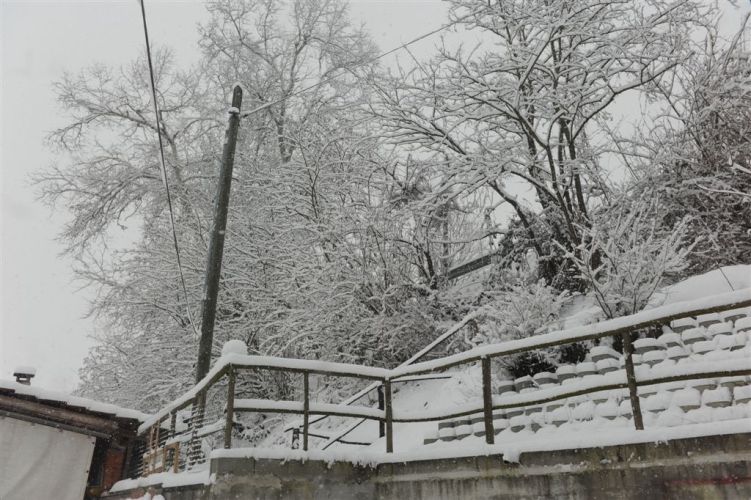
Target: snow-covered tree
(636,256)
(520,106)
(330,253)
(696,158)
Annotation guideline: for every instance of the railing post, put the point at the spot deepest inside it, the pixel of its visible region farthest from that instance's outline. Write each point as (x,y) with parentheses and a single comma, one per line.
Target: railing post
(172,424)
(196,422)
(295,438)
(389,416)
(230,408)
(633,394)
(305,410)
(487,400)
(381,406)
(172,434)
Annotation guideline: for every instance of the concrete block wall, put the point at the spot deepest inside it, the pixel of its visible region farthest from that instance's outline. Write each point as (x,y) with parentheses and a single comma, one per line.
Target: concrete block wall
(717,467)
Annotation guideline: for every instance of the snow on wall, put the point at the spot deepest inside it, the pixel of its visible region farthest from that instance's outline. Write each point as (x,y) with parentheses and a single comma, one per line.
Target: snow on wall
(166,480)
(511,449)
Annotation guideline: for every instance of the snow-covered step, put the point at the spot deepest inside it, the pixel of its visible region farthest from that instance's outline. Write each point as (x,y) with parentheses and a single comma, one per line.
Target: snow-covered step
(565,372)
(624,408)
(731,382)
(730,342)
(670,339)
(504,386)
(702,384)
(558,416)
(735,315)
(600,397)
(531,410)
(671,417)
(431,437)
(657,402)
(446,434)
(687,399)
(645,345)
(519,422)
(703,346)
(720,329)
(743,324)
(717,398)
(677,352)
(523,383)
(708,319)
(742,339)
(463,430)
(742,394)
(700,415)
(607,410)
(514,412)
(664,364)
(500,424)
(584,411)
(672,386)
(648,390)
(693,335)
(586,368)
(545,379)
(608,365)
(602,352)
(653,357)
(679,325)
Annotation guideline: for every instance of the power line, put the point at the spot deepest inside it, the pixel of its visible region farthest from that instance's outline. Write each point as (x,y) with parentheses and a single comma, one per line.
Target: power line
(244,115)
(369,61)
(165,181)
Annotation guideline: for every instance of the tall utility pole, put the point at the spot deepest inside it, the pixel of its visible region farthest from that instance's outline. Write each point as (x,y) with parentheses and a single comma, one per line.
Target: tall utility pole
(216,246)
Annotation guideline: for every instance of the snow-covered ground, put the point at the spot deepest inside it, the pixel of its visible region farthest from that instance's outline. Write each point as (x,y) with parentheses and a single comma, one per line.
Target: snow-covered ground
(583,309)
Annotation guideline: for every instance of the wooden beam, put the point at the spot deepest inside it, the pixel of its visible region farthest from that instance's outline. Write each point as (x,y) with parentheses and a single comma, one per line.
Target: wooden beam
(487,401)
(470,266)
(57,415)
(389,417)
(230,417)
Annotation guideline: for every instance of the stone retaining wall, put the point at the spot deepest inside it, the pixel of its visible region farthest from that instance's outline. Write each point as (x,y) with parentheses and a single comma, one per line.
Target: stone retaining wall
(717,467)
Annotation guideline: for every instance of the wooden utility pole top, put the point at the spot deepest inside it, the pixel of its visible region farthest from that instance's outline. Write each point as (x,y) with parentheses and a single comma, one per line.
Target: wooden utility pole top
(216,246)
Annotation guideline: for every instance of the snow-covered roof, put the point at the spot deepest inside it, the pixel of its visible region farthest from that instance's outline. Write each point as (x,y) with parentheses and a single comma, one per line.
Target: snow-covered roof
(25,370)
(75,402)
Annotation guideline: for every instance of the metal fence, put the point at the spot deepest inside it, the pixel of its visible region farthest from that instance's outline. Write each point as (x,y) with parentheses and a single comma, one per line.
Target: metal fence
(182,434)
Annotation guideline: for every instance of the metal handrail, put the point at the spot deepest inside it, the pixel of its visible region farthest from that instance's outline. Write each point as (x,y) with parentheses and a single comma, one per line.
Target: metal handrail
(231,365)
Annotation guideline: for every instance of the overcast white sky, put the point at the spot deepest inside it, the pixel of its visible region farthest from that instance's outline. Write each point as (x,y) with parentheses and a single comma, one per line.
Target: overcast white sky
(42,313)
(42,320)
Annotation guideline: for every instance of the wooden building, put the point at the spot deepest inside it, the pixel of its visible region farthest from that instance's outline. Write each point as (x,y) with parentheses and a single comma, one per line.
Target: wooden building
(53,445)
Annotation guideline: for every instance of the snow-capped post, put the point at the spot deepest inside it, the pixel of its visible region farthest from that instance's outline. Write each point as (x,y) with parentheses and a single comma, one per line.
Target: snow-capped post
(305,410)
(388,416)
(216,246)
(487,400)
(633,394)
(230,408)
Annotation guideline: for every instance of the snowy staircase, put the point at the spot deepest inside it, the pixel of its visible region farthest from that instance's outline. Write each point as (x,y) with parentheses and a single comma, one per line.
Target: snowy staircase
(711,338)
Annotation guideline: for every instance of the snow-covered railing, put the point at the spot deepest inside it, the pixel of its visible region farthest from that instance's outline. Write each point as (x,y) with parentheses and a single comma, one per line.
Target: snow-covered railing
(609,328)
(297,425)
(618,326)
(228,368)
